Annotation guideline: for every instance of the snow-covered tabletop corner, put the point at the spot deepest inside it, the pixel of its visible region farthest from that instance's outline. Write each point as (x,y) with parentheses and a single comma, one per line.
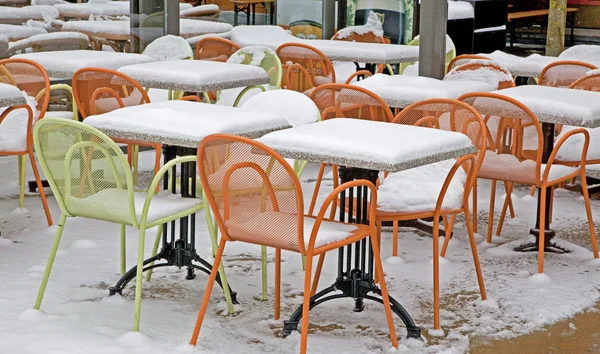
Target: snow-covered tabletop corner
(195,75)
(15,33)
(10,96)
(366,144)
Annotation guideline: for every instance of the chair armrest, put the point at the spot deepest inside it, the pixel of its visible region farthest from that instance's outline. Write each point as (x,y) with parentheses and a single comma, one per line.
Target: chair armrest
(363,73)
(29,121)
(244,91)
(559,144)
(190,98)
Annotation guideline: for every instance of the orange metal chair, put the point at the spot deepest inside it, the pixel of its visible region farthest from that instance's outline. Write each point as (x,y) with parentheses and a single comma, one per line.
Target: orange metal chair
(304,67)
(588,82)
(479,71)
(463,59)
(515,142)
(563,73)
(272,215)
(368,37)
(453,196)
(346,101)
(32,78)
(98,91)
(215,49)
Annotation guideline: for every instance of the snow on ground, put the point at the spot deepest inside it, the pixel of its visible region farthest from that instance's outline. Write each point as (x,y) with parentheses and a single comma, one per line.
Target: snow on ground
(78,317)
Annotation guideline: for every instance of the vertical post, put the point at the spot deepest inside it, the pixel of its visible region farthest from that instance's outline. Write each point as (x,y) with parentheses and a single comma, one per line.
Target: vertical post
(342,14)
(171,17)
(432,43)
(555,37)
(328,27)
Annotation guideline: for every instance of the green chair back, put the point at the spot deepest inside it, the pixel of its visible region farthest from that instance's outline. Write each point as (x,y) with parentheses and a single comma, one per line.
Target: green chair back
(263,57)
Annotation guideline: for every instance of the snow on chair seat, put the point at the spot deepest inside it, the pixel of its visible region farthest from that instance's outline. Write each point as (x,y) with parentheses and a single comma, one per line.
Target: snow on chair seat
(48,42)
(169,47)
(13,128)
(563,73)
(482,70)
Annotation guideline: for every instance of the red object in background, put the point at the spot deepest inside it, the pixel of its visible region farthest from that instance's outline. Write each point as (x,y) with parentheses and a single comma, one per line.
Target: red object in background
(584,2)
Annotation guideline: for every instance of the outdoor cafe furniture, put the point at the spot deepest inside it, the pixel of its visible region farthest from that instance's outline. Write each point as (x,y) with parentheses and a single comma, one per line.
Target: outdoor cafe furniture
(304,67)
(215,49)
(63,65)
(15,32)
(249,8)
(180,126)
(362,149)
(463,59)
(83,11)
(563,73)
(484,71)
(18,15)
(55,41)
(256,198)
(525,150)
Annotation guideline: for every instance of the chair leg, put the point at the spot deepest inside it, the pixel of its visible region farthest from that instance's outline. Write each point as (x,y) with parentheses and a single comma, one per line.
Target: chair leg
(475,257)
(38,181)
(315,282)
(475,206)
(542,239)
(551,204)
(123,250)
(21,167)
(50,262)
(138,280)
(509,189)
(306,304)
(532,190)
(263,261)
(491,213)
(209,286)
(395,238)
(448,231)
(154,250)
(384,293)
(507,205)
(277,283)
(588,210)
(313,200)
(134,161)
(436,274)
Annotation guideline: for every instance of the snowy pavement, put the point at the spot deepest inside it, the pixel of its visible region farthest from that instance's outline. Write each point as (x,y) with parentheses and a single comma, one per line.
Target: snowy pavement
(78,317)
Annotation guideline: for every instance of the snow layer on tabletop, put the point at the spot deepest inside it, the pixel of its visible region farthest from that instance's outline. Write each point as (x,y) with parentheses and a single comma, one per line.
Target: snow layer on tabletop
(13,128)
(343,70)
(366,140)
(483,74)
(268,36)
(169,47)
(18,32)
(199,9)
(193,41)
(373,25)
(48,2)
(418,189)
(460,9)
(297,109)
(201,27)
(585,52)
(449,42)
(107,27)
(44,12)
(27,42)
(572,148)
(531,65)
(106,8)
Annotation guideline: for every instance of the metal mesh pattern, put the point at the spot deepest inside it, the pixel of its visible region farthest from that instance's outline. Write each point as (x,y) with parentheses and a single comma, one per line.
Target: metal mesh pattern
(304,67)
(257,199)
(515,139)
(28,76)
(215,49)
(349,101)
(482,70)
(86,170)
(563,73)
(99,91)
(588,83)
(464,59)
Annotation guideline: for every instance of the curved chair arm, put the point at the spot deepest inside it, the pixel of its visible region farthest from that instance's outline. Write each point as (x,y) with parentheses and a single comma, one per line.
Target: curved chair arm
(331,201)
(70,89)
(154,184)
(559,144)
(239,97)
(471,178)
(190,98)
(29,121)
(363,73)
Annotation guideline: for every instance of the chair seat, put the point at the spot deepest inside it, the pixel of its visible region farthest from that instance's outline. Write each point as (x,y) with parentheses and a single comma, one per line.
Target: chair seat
(505,167)
(571,149)
(276,229)
(112,204)
(418,189)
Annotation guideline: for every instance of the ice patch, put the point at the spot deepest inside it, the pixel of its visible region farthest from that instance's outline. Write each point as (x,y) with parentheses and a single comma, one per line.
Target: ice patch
(34,315)
(539,279)
(83,244)
(394,261)
(436,332)
(134,340)
(489,303)
(185,348)
(595,262)
(443,261)
(20,211)
(51,230)
(5,241)
(114,300)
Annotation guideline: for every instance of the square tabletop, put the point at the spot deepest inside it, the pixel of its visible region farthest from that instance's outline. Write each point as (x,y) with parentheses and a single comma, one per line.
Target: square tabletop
(558,105)
(367,144)
(195,75)
(184,123)
(402,90)
(10,96)
(63,64)
(530,66)
(373,53)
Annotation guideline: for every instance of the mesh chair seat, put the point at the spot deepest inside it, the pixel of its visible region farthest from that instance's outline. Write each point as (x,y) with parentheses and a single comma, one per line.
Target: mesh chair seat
(508,167)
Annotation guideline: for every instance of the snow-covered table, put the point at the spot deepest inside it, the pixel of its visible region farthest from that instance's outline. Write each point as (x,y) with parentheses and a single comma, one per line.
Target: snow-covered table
(110,8)
(19,15)
(195,75)
(363,148)
(63,65)
(400,91)
(15,33)
(10,96)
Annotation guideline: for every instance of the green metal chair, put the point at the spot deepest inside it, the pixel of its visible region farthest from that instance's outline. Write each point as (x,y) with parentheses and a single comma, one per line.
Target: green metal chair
(263,57)
(450,52)
(90,177)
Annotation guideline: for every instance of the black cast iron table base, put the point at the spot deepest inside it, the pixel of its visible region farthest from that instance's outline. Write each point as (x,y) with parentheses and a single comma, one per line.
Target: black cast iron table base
(355,277)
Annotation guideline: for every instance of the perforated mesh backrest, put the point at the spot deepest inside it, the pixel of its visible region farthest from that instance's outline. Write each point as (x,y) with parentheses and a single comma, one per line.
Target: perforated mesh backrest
(563,73)
(87,171)
(368,37)
(252,191)
(312,67)
(482,70)
(463,59)
(263,57)
(28,76)
(99,91)
(515,137)
(215,49)
(590,82)
(349,101)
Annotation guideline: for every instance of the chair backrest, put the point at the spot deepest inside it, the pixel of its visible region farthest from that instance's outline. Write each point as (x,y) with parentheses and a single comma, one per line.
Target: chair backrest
(482,70)
(463,59)
(169,47)
(514,135)
(99,90)
(304,66)
(350,101)
(589,82)
(86,170)
(563,73)
(250,189)
(297,108)
(30,77)
(215,49)
(263,57)
(370,32)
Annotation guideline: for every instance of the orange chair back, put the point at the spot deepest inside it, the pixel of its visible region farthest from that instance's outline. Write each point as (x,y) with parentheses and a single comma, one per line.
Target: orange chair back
(463,59)
(215,49)
(368,37)
(98,91)
(563,73)
(350,101)
(304,67)
(30,77)
(505,79)
(589,82)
